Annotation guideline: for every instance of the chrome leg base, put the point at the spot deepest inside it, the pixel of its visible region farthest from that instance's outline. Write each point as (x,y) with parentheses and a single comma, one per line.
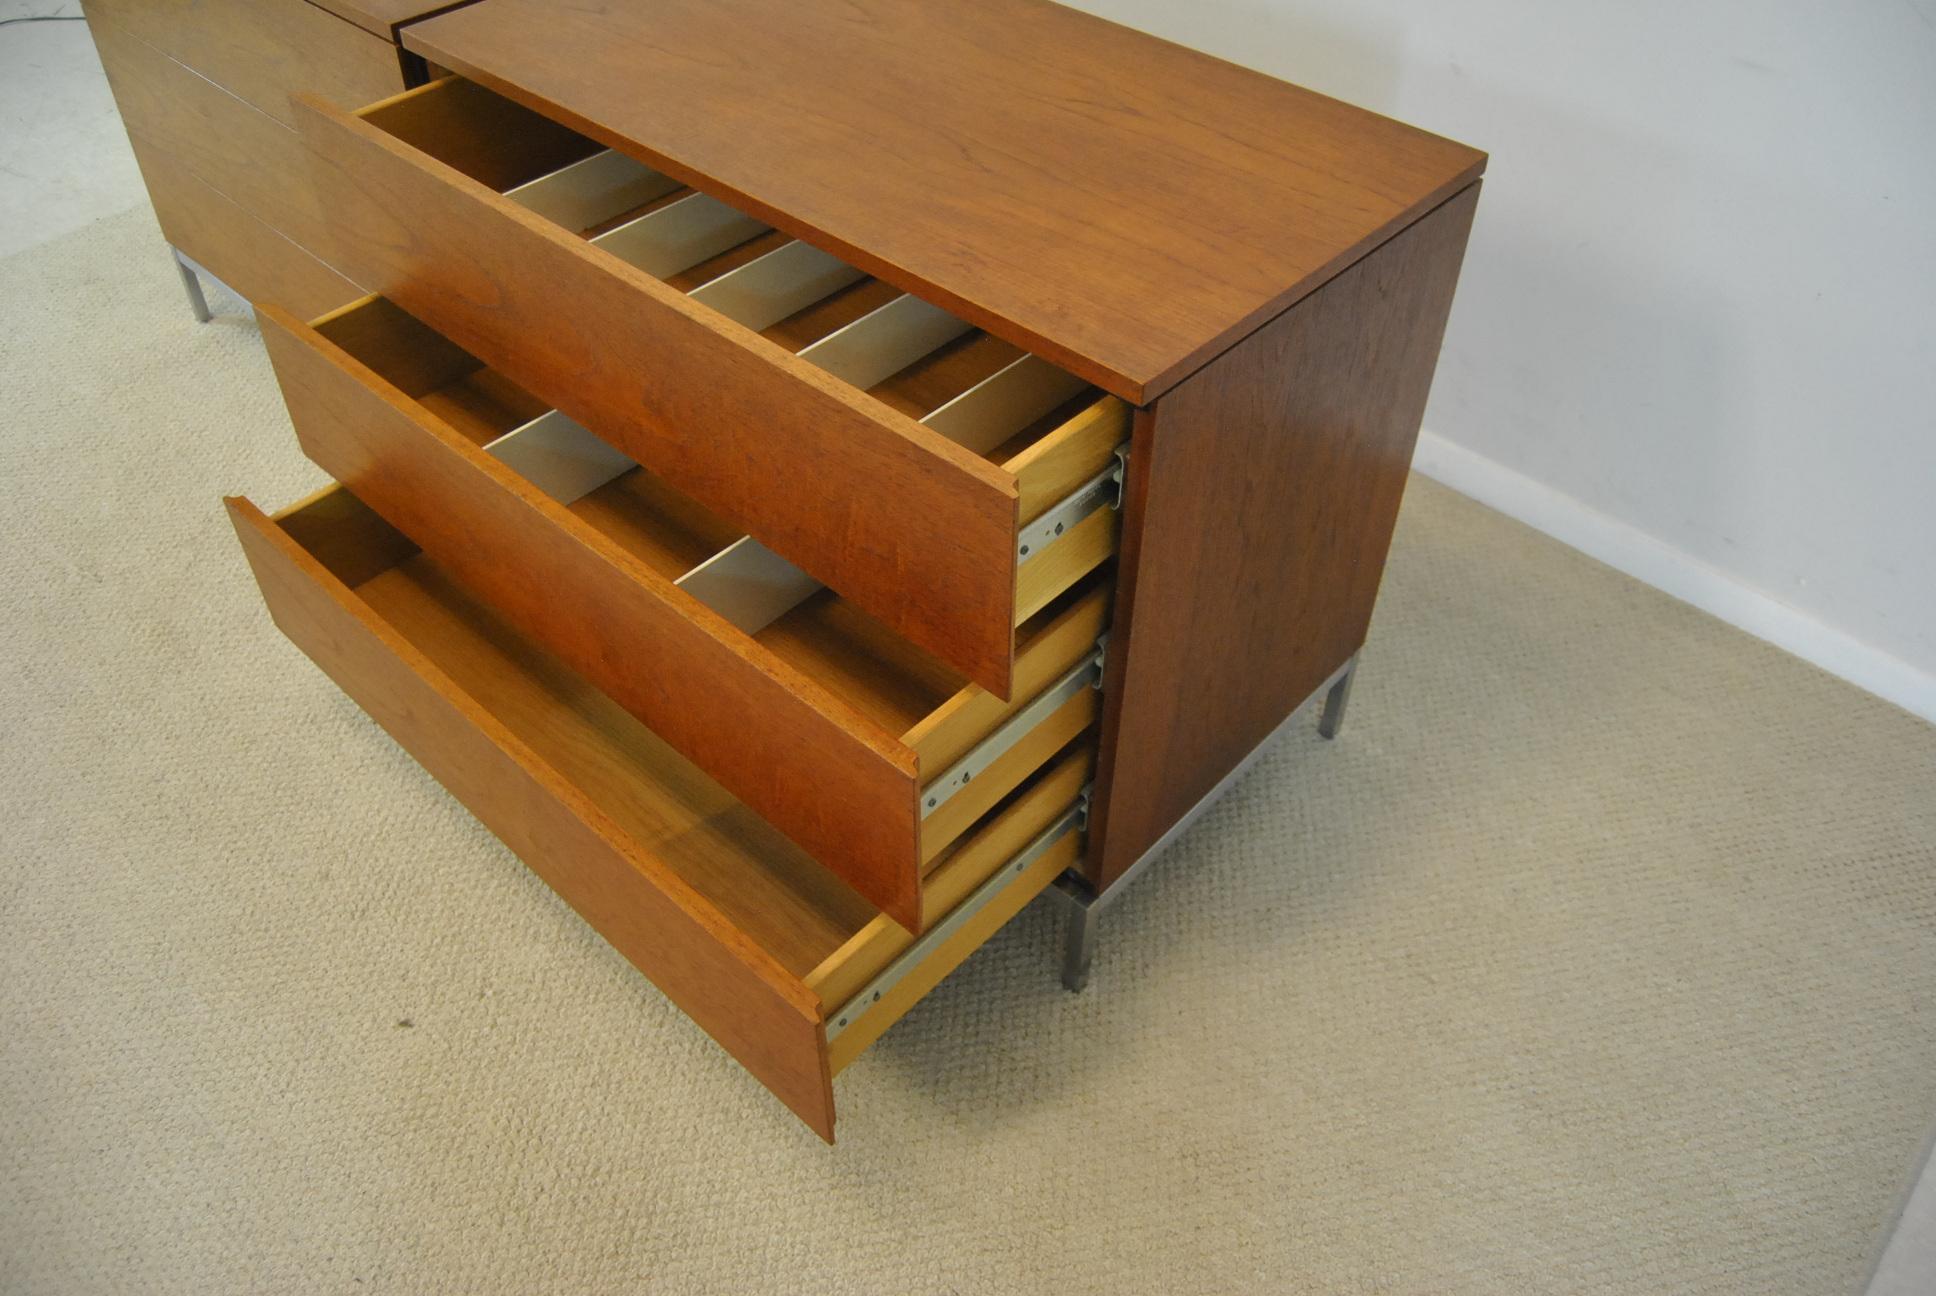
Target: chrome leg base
(1332,718)
(197,302)
(1085,905)
(1079,937)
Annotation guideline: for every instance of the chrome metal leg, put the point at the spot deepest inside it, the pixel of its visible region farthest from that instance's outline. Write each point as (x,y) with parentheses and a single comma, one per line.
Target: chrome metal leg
(1334,702)
(1085,905)
(1079,939)
(196,301)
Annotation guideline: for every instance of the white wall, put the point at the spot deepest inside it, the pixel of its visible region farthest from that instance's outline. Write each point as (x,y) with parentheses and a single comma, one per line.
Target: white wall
(1695,334)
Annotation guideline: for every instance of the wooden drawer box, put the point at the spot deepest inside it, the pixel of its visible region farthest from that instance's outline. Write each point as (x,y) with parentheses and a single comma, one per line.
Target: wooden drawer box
(730,359)
(755,942)
(804,536)
(880,757)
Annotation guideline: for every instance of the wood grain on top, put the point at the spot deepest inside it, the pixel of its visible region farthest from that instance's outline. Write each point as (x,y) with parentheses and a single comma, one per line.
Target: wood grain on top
(1118,204)
(385,17)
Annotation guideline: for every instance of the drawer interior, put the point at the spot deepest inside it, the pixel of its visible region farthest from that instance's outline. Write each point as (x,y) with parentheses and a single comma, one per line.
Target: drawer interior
(815,927)
(1050,430)
(951,724)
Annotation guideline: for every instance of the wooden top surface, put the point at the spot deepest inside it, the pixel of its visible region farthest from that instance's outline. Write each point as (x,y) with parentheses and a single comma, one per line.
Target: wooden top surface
(385,17)
(1120,205)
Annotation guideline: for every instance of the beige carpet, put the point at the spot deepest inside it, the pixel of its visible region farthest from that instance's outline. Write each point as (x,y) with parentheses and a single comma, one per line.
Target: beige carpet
(1599,955)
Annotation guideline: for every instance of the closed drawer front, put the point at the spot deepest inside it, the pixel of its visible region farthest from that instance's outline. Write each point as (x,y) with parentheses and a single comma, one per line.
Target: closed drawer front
(884,447)
(262,51)
(235,246)
(234,148)
(866,752)
(787,968)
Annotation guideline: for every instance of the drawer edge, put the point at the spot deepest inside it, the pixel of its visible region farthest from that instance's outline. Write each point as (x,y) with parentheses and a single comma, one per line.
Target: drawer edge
(986,880)
(733,989)
(877,1006)
(731,710)
(907,525)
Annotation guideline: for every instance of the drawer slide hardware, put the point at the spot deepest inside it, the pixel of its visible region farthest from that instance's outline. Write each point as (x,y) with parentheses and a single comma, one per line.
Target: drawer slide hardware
(936,936)
(1086,674)
(1104,490)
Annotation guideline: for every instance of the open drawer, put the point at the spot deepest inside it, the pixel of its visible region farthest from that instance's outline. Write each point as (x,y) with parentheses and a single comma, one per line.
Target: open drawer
(761,377)
(790,970)
(865,751)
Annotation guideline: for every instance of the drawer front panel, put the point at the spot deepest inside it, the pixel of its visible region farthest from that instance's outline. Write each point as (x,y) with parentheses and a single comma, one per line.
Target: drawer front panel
(742,997)
(837,784)
(263,50)
(911,527)
(233,148)
(236,247)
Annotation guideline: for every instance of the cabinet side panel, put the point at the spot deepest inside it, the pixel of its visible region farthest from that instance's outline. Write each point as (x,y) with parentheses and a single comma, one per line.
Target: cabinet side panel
(1263,494)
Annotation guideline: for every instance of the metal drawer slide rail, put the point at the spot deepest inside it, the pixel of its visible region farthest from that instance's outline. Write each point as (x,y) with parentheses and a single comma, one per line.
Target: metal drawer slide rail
(865,999)
(1104,490)
(1086,674)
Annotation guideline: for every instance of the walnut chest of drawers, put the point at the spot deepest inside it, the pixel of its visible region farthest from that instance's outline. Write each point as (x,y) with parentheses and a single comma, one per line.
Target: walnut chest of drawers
(815,476)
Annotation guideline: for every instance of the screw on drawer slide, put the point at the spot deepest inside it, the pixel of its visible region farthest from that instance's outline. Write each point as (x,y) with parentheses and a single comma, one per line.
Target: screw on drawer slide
(1087,673)
(1104,490)
(864,1000)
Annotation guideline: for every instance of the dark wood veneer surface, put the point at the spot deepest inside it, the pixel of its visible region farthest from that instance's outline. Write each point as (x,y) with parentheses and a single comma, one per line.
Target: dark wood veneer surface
(261,50)
(234,245)
(1120,205)
(223,141)
(386,17)
(1262,498)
